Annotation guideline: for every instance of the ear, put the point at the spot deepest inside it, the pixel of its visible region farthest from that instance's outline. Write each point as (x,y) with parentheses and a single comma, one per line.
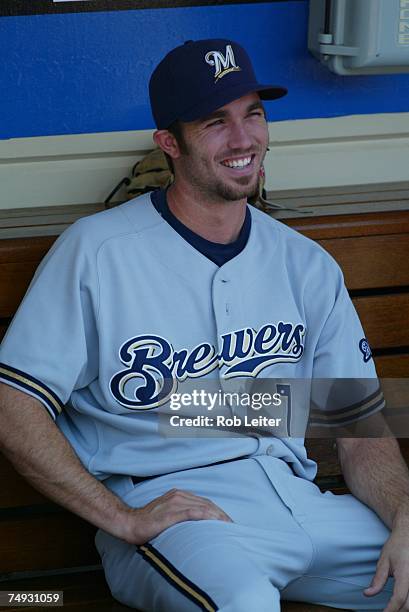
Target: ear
(167,142)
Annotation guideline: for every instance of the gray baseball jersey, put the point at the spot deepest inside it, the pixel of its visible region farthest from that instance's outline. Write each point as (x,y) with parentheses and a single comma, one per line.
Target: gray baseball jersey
(123,310)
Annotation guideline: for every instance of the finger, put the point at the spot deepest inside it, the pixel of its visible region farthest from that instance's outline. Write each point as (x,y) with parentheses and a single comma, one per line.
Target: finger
(208,510)
(399,597)
(183,495)
(200,514)
(211,503)
(190,495)
(167,508)
(223,515)
(161,516)
(379,580)
(405,606)
(183,515)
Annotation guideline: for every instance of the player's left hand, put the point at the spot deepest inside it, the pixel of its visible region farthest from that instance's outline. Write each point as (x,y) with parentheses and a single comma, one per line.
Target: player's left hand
(394,561)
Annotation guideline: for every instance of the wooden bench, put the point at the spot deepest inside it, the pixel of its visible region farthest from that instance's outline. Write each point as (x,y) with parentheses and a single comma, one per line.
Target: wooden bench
(42,546)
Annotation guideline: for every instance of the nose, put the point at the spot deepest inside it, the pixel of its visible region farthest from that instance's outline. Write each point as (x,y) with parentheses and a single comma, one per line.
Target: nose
(239,136)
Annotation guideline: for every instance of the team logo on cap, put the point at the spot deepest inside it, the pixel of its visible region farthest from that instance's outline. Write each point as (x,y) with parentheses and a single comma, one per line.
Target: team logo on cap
(223,64)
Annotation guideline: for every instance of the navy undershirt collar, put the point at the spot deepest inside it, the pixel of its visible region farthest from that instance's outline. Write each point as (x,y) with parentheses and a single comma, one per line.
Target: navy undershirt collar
(216,252)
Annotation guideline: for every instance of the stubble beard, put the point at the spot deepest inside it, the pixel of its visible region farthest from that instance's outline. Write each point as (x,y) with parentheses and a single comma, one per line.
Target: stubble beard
(213,187)
(244,189)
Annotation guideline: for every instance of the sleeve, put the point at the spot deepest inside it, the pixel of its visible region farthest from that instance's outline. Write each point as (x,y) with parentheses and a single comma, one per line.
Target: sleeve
(51,346)
(345,387)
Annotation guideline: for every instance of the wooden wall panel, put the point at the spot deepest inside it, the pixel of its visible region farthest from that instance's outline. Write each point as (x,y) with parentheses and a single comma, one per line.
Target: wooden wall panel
(16,491)
(3,329)
(371,261)
(44,543)
(392,366)
(385,319)
(18,250)
(14,280)
(19,259)
(324,452)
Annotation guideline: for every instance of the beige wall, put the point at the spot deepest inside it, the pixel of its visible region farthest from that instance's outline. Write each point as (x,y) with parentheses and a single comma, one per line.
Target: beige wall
(308,154)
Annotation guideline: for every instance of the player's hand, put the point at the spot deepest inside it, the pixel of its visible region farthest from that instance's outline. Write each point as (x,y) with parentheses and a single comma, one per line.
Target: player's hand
(175,506)
(394,561)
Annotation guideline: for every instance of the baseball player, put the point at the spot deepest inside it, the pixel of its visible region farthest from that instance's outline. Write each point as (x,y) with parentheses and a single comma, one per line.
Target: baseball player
(193,286)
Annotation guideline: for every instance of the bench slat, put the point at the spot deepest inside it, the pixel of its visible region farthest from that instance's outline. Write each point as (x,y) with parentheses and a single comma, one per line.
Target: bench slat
(357,224)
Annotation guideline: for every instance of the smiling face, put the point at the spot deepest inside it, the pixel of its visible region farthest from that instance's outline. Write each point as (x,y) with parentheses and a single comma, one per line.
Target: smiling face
(222,154)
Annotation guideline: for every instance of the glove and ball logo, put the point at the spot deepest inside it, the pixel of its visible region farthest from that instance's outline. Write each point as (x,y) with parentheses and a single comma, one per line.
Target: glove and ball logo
(365,349)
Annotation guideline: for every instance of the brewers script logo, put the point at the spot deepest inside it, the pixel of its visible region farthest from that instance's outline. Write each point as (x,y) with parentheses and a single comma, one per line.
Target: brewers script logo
(153,368)
(223,65)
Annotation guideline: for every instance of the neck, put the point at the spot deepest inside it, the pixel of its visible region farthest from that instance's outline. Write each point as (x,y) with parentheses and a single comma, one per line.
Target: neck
(218,221)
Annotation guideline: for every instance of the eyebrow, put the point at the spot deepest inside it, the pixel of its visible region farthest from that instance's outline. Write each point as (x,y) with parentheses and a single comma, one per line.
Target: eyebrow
(255,106)
(221,114)
(218,114)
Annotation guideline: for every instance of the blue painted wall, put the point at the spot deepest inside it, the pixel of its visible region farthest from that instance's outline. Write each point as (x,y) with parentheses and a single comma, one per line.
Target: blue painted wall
(88,72)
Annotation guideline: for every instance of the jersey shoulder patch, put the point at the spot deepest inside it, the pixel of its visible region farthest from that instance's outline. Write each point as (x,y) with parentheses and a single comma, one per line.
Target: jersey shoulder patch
(365,349)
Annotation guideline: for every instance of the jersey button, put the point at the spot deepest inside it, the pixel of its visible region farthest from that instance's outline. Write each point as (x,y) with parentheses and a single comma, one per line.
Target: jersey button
(270,450)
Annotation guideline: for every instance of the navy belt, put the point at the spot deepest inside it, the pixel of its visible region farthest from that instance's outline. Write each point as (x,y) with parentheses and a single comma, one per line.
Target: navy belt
(138,479)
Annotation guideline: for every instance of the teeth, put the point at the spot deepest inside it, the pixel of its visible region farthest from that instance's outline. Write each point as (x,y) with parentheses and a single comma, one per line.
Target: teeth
(237,163)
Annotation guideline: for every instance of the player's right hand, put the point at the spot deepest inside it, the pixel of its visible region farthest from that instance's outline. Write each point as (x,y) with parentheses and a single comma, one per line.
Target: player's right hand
(175,506)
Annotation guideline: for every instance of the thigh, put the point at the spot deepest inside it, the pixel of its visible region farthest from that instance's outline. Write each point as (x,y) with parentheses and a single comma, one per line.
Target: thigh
(254,557)
(347,538)
(190,566)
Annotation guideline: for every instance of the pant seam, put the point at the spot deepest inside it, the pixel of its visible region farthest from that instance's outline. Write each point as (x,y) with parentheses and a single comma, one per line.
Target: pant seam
(343,580)
(313,550)
(174,577)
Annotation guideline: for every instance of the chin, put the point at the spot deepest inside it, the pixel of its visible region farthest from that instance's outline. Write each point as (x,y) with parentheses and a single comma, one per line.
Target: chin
(239,192)
(233,195)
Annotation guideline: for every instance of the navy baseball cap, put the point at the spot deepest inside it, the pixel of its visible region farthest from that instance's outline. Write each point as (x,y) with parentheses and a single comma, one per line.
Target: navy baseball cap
(198,77)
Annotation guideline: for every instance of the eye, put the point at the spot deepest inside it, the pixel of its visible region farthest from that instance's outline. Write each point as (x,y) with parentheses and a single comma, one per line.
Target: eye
(214,123)
(257,113)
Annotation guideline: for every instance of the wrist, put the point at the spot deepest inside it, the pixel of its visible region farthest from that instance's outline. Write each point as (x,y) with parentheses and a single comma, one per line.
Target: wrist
(127,525)
(401,516)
